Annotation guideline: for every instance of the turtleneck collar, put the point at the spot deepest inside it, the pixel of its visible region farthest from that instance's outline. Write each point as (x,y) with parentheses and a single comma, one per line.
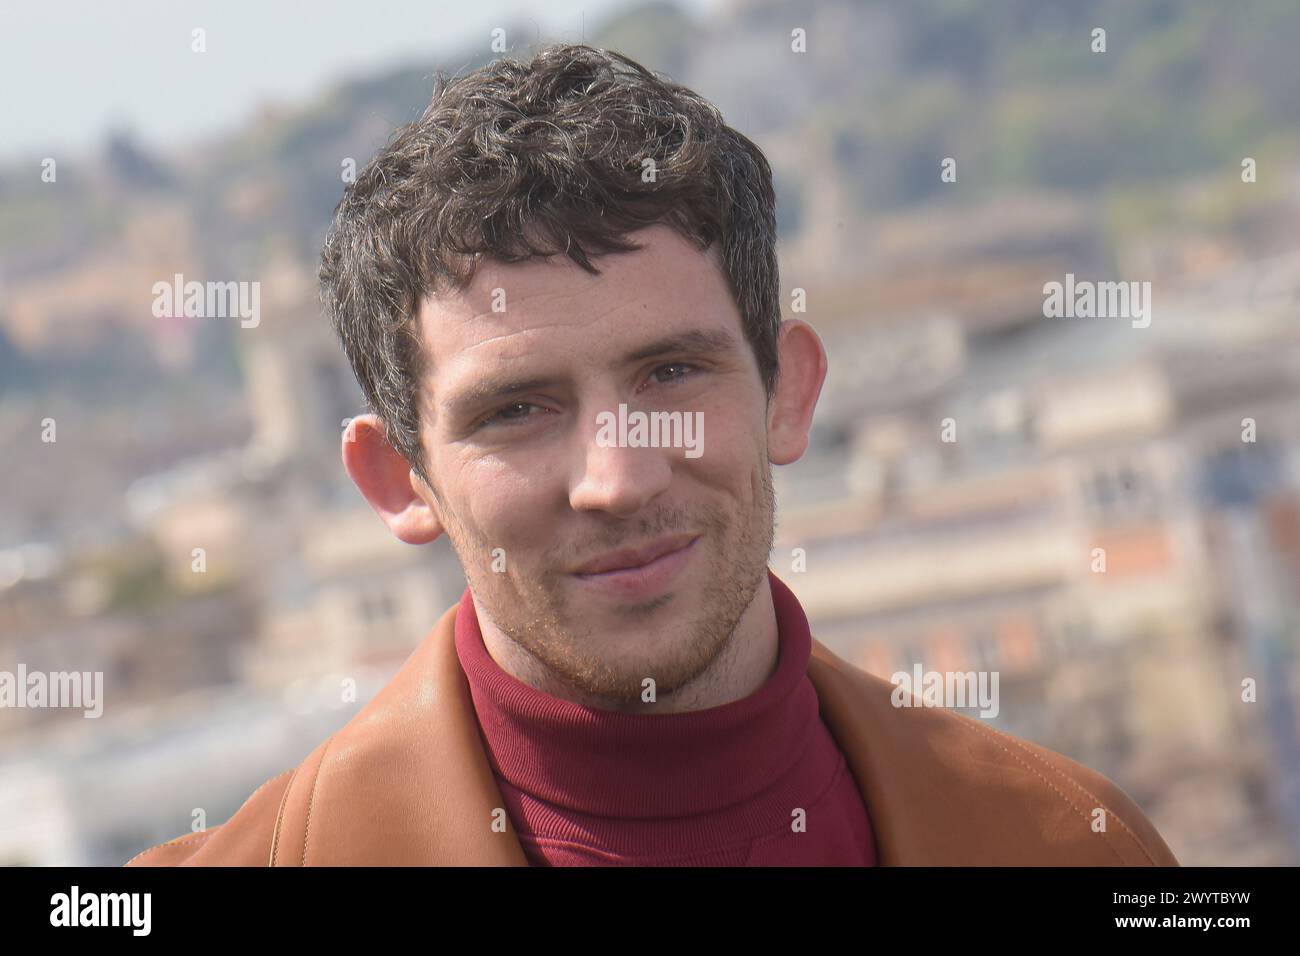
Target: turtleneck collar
(615,764)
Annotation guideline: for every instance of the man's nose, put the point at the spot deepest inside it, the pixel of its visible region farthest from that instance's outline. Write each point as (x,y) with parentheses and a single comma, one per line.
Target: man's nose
(613,477)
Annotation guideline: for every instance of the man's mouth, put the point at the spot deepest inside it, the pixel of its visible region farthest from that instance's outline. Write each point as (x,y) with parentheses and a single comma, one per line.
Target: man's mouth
(639,574)
(631,558)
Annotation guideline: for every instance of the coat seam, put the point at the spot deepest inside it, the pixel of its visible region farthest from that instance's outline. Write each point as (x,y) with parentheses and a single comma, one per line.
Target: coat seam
(279,816)
(178,841)
(311,798)
(976,728)
(185,841)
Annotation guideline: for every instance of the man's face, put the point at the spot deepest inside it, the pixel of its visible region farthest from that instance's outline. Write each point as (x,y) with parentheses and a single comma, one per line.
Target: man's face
(529,493)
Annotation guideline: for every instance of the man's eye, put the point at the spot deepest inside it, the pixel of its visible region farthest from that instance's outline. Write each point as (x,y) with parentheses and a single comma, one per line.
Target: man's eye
(502,416)
(677,365)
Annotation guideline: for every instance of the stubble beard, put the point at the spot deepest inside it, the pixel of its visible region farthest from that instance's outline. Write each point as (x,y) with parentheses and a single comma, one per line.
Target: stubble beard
(534,612)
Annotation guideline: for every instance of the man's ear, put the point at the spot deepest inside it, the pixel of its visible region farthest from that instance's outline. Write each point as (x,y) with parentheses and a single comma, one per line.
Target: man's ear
(387,481)
(798,385)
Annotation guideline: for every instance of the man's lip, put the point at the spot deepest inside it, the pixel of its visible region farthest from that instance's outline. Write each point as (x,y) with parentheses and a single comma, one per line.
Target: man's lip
(626,558)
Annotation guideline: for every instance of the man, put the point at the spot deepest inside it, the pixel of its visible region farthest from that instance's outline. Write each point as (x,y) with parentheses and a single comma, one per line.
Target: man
(624,681)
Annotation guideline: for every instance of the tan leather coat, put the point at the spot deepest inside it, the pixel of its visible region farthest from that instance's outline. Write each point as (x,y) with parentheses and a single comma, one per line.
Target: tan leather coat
(407,782)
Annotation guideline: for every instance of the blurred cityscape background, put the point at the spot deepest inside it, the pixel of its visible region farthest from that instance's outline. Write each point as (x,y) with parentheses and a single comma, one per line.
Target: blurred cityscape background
(1175,448)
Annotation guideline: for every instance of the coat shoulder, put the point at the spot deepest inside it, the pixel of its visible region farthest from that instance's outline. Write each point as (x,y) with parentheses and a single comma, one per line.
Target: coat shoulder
(950,789)
(244,840)
(1099,811)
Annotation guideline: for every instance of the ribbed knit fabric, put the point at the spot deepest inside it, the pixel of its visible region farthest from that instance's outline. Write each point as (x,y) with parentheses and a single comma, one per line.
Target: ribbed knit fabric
(715,787)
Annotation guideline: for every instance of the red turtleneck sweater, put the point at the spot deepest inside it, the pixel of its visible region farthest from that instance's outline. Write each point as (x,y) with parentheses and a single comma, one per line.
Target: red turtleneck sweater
(714,787)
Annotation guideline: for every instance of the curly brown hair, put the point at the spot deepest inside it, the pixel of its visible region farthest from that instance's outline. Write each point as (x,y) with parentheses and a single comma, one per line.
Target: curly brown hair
(517,160)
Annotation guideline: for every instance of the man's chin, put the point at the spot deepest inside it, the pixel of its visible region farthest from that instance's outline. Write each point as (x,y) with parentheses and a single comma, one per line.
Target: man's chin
(604,613)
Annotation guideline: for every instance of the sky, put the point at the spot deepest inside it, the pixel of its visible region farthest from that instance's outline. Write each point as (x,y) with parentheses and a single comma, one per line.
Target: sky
(72,69)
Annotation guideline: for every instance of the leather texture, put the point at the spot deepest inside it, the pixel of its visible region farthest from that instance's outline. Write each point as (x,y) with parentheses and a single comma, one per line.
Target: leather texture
(407,782)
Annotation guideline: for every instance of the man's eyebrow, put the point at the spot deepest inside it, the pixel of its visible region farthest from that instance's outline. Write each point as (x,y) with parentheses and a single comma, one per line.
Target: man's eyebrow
(697,342)
(480,393)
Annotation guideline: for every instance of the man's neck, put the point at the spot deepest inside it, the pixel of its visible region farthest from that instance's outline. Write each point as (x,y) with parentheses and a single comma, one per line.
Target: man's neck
(743,665)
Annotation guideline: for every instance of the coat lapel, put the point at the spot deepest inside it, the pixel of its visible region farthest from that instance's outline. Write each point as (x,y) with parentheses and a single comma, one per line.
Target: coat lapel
(943,789)
(407,782)
(896,797)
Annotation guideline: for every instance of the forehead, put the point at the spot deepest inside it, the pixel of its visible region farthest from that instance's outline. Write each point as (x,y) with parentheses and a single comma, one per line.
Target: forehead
(545,313)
